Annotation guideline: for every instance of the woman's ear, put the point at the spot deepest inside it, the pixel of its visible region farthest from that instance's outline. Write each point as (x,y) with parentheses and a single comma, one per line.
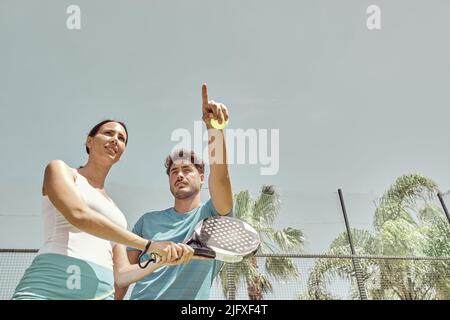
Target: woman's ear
(89,143)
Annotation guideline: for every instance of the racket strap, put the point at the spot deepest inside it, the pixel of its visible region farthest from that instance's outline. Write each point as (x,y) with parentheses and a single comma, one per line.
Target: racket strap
(152,257)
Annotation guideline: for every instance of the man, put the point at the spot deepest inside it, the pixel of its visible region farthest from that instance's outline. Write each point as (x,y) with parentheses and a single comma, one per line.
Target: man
(185,170)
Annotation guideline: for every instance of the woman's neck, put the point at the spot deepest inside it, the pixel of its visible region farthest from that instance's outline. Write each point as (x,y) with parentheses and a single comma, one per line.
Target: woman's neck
(95,173)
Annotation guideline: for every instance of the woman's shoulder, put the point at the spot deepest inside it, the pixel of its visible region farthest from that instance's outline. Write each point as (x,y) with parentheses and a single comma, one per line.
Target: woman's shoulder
(59,167)
(55,171)
(58,164)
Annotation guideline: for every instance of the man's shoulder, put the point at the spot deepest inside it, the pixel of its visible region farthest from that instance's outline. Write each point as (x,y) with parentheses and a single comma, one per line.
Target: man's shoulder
(208,207)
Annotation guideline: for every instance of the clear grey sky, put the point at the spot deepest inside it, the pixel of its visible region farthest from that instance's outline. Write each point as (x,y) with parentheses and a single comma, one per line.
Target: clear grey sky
(354,108)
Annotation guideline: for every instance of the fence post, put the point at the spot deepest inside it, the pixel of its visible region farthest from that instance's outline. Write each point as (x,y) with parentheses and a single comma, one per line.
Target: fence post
(355,262)
(443,206)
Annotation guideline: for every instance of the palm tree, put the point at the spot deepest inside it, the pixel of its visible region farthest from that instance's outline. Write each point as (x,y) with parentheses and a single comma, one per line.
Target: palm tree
(407,223)
(261,213)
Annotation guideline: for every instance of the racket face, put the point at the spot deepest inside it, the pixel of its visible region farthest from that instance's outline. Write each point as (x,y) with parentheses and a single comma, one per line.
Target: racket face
(231,239)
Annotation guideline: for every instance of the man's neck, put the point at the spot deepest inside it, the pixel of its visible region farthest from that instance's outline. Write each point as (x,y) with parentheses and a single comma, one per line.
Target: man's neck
(186,205)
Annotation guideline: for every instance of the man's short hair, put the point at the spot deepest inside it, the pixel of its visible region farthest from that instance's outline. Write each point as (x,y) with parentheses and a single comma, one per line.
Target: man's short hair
(184,154)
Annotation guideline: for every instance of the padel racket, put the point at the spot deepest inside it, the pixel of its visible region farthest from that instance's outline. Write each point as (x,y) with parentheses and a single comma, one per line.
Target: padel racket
(222,238)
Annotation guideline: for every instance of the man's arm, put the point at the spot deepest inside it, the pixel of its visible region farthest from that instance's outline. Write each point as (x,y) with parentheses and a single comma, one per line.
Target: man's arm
(219,178)
(127,270)
(120,292)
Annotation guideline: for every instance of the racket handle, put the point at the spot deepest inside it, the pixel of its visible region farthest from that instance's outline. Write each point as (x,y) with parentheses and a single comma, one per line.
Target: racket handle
(204,253)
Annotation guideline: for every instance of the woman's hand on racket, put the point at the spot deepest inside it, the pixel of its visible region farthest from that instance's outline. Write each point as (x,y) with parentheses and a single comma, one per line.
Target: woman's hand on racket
(167,251)
(187,252)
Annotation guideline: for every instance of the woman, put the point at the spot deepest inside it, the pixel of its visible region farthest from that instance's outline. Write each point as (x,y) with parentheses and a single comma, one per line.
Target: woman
(85,232)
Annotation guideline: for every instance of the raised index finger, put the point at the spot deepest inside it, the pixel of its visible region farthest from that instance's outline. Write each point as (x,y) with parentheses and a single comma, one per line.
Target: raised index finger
(204,94)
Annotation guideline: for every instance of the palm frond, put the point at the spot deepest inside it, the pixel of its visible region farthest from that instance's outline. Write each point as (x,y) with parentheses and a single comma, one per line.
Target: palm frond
(400,237)
(282,268)
(266,206)
(403,194)
(287,239)
(242,206)
(409,188)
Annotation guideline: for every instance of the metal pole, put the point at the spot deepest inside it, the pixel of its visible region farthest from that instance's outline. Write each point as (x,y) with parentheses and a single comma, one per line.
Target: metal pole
(444,206)
(356,266)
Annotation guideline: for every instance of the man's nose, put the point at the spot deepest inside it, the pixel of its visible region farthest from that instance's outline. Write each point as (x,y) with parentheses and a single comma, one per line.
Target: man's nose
(180,175)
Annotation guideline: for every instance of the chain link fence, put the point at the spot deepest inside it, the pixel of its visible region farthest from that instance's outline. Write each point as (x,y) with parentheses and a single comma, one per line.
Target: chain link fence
(312,277)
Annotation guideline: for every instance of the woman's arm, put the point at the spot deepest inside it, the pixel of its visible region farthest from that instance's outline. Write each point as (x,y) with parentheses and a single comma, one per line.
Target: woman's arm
(127,271)
(59,186)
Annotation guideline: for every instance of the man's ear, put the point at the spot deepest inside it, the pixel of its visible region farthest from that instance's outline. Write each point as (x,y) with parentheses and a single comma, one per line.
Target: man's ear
(202,178)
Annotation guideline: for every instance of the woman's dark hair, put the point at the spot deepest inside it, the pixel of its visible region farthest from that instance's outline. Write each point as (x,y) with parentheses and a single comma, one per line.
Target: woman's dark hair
(97,127)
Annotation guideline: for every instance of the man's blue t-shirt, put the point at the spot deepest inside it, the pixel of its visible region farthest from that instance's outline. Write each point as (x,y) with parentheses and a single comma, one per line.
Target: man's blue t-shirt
(181,282)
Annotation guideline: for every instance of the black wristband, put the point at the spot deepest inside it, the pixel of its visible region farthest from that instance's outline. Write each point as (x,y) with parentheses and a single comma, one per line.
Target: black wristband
(149,243)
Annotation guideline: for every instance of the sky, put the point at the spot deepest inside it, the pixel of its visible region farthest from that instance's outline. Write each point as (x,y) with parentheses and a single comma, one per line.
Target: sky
(353,108)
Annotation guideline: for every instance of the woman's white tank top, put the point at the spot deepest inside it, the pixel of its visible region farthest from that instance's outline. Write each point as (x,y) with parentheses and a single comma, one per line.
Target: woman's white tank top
(61,237)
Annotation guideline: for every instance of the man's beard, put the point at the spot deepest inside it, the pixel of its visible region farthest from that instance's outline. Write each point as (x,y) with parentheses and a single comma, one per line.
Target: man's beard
(185,194)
